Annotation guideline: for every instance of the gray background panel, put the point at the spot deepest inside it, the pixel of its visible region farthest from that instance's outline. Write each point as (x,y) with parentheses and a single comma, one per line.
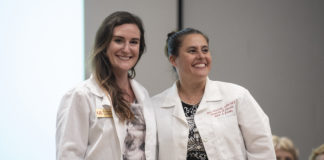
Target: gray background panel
(276,50)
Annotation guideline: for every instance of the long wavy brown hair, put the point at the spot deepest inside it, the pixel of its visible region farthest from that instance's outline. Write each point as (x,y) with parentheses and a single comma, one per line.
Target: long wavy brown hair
(101,65)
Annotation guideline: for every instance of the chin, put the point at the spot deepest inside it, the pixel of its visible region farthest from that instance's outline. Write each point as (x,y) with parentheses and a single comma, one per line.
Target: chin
(201,76)
(126,66)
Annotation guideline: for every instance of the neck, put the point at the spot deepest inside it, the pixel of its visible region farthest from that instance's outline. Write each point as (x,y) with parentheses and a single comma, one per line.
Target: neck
(124,84)
(191,92)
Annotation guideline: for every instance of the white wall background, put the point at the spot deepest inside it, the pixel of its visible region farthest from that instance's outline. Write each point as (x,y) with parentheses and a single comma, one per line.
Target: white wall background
(275,48)
(41,57)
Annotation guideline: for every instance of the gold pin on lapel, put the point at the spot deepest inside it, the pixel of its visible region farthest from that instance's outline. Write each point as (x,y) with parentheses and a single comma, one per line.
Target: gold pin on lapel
(103,113)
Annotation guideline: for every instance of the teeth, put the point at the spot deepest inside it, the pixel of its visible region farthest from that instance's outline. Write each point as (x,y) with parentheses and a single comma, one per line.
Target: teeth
(201,65)
(124,58)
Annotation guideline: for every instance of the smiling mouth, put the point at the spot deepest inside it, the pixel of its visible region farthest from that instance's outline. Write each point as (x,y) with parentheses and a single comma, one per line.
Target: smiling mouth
(200,65)
(124,58)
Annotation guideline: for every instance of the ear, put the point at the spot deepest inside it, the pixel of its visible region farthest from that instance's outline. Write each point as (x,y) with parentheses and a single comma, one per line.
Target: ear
(172,60)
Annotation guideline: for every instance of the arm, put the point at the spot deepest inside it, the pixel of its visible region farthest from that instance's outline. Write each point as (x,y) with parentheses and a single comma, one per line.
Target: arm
(255,128)
(72,127)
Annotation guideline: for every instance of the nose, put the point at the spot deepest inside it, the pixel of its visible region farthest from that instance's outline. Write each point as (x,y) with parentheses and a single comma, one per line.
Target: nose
(201,55)
(126,48)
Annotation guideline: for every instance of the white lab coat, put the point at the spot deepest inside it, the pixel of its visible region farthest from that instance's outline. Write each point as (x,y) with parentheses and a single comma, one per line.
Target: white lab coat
(231,124)
(80,135)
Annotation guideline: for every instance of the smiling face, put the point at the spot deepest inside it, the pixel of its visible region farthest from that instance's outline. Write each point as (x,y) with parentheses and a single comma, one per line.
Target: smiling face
(123,50)
(194,59)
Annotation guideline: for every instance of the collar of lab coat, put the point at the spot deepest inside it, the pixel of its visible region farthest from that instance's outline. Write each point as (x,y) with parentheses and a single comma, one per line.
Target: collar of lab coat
(97,90)
(138,91)
(172,99)
(211,93)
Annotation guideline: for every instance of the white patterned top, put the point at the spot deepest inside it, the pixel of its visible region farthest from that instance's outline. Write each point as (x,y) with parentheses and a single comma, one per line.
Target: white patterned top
(134,144)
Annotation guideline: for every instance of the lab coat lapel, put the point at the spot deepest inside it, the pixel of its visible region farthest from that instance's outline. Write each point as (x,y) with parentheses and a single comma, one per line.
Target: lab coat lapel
(211,94)
(139,94)
(106,103)
(173,101)
(140,97)
(120,129)
(96,90)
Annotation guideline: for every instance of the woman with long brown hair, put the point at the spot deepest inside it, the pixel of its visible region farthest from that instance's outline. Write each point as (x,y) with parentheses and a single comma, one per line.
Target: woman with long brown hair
(109,116)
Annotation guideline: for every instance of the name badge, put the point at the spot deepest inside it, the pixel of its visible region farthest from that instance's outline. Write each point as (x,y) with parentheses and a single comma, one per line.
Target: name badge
(103,113)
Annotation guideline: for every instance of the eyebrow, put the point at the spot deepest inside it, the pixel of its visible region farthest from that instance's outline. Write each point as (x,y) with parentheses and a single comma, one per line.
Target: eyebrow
(138,39)
(191,47)
(194,47)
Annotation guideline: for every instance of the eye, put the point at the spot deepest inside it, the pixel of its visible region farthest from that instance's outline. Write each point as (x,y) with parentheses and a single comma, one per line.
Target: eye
(118,40)
(192,50)
(134,42)
(205,49)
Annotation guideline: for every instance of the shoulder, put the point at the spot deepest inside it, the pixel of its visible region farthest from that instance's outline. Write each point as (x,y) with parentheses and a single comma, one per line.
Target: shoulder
(82,94)
(81,89)
(77,100)
(227,86)
(226,89)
